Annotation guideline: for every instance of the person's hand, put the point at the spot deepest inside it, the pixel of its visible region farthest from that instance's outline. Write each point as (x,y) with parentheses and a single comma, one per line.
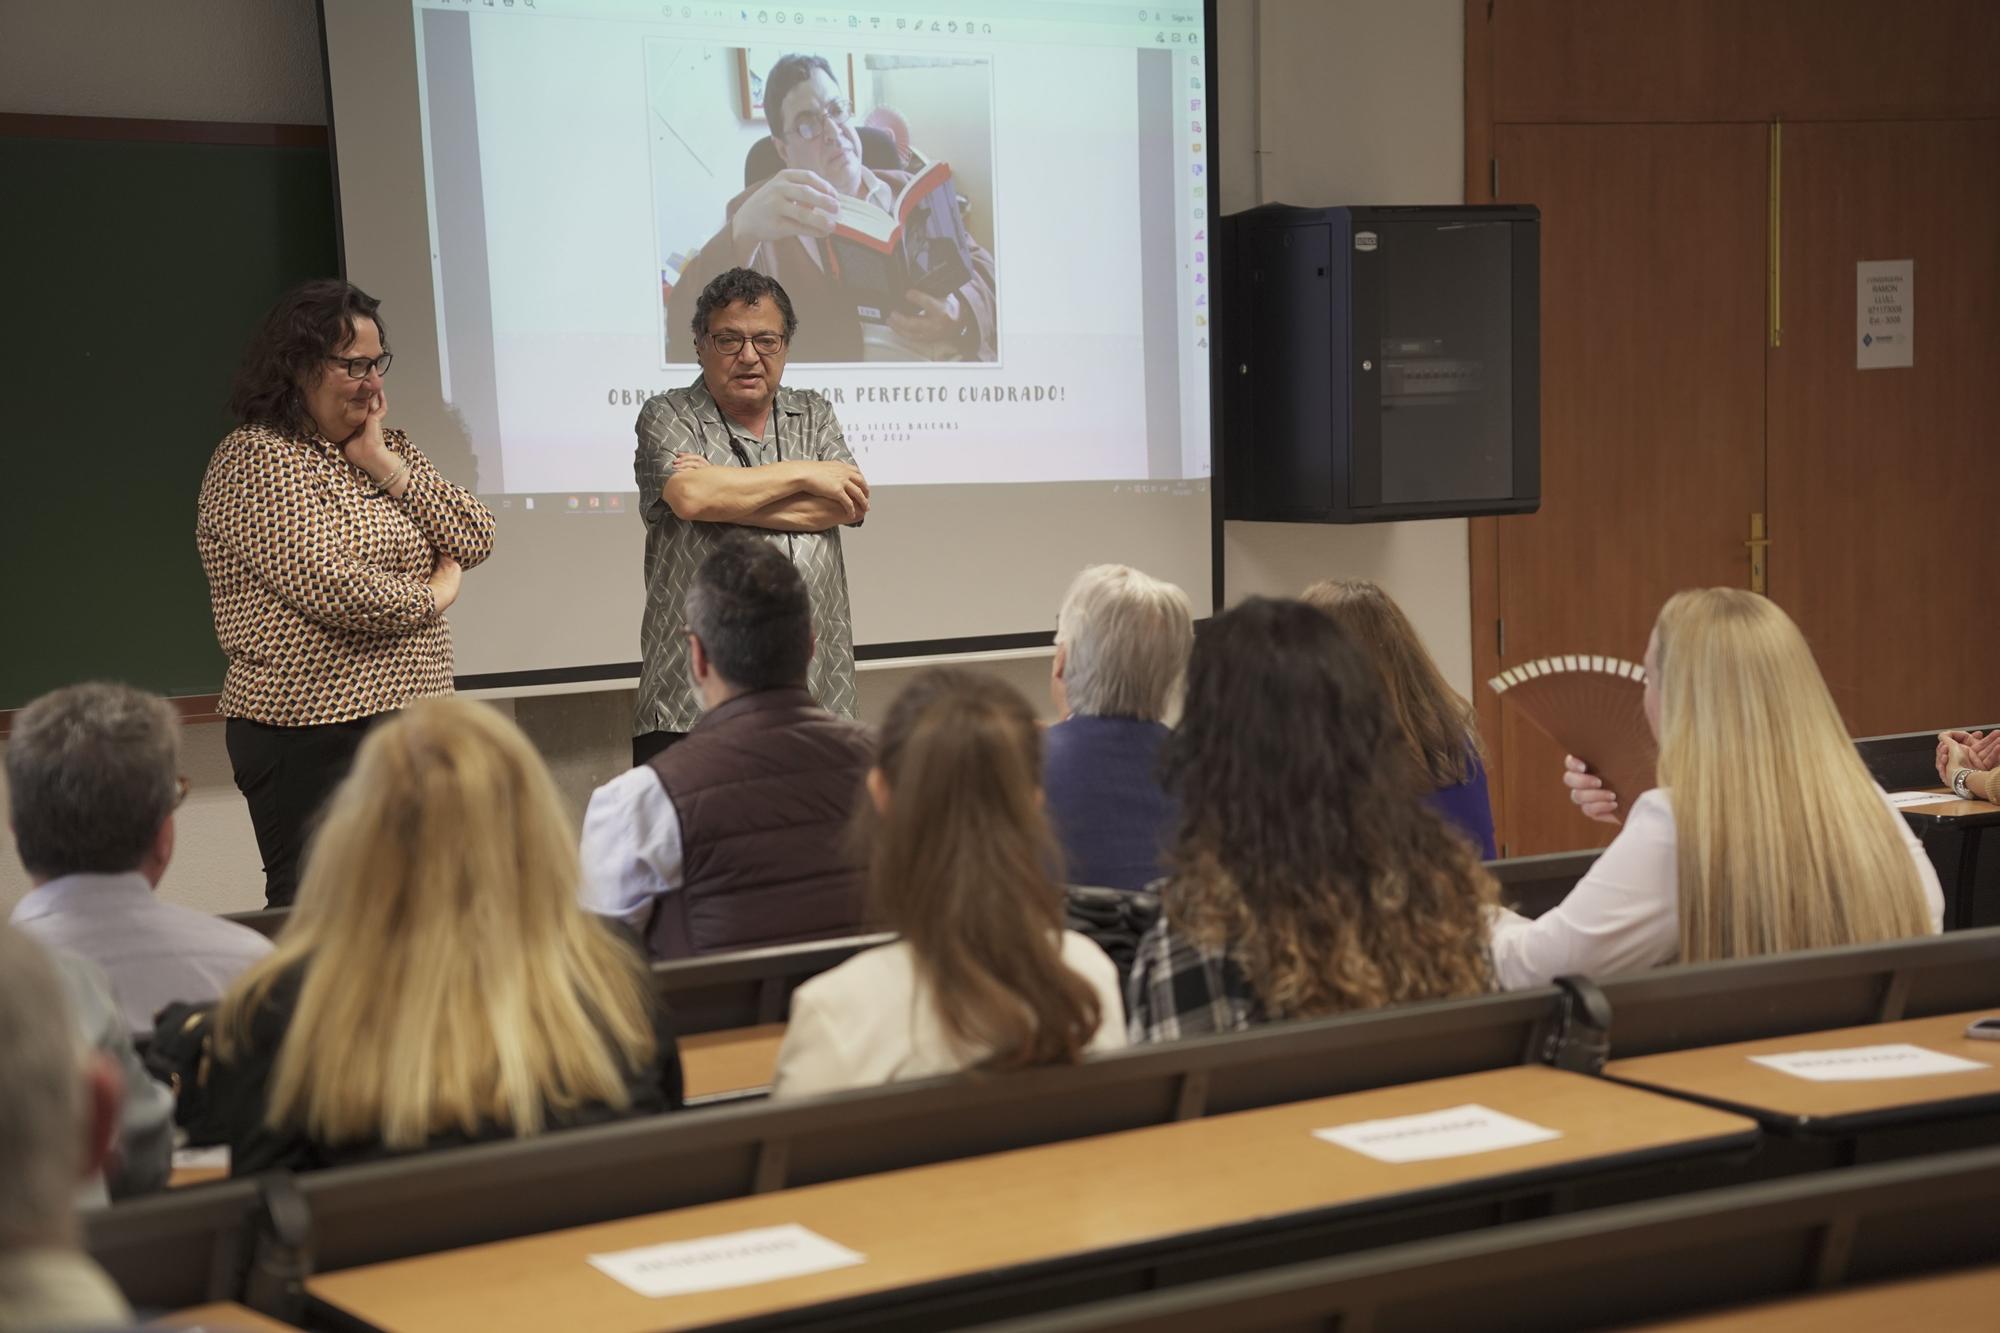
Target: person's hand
(1588,792)
(795,202)
(445,578)
(1960,749)
(935,326)
(841,483)
(1982,748)
(688,462)
(366,448)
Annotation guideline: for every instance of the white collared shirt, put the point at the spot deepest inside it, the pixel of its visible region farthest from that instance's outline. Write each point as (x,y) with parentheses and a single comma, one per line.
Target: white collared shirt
(1624,914)
(631,846)
(154,953)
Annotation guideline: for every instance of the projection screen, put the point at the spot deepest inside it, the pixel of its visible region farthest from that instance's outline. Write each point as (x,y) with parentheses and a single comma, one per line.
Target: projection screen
(524,184)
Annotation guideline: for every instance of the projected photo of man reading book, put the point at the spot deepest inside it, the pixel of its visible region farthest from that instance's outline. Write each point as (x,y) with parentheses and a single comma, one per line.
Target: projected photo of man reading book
(865,188)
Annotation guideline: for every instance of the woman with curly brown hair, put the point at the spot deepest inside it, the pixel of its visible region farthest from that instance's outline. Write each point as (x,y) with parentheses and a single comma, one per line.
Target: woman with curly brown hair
(1308,876)
(333,549)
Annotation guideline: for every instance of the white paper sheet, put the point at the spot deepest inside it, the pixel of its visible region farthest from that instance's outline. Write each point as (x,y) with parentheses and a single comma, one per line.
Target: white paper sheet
(1858,1064)
(737,1259)
(198,1159)
(1459,1131)
(1885,313)
(1899,799)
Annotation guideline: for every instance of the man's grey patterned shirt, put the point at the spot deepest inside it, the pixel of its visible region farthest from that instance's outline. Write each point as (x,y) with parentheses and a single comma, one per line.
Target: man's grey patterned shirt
(801,426)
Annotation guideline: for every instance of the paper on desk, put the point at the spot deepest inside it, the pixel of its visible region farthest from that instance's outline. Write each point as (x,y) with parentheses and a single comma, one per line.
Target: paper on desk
(1457,1132)
(202,1159)
(1858,1064)
(1899,799)
(738,1259)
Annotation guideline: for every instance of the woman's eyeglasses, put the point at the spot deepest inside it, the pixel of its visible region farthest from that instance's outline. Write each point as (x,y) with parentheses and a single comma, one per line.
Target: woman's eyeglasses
(357,367)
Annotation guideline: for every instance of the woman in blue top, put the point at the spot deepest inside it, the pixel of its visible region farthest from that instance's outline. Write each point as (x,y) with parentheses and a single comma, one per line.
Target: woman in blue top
(1439,726)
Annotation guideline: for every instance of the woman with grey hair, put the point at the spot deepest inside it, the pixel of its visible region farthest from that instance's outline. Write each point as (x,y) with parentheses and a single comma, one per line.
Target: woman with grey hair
(1122,645)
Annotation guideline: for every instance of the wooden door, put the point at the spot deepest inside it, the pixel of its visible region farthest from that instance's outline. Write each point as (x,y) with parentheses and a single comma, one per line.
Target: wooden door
(1883,483)
(1654,262)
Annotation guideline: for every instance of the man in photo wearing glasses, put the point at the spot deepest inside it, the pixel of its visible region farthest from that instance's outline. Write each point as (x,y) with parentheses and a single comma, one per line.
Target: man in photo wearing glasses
(731,451)
(780,226)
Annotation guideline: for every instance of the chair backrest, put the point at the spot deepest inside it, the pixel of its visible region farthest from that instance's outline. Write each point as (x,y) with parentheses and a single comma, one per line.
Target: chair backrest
(1710,1004)
(414,1205)
(162,1249)
(382,1210)
(1612,1266)
(266,921)
(1531,885)
(179,1247)
(1907,759)
(750,987)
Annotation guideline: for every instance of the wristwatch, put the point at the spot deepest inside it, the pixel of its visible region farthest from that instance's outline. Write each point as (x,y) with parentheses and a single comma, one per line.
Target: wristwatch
(1959,787)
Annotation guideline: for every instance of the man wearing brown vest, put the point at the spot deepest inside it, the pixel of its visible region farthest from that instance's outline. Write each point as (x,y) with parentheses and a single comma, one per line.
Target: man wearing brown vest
(736,837)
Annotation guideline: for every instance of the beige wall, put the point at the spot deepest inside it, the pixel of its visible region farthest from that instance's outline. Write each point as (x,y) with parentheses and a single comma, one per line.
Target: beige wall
(1361,102)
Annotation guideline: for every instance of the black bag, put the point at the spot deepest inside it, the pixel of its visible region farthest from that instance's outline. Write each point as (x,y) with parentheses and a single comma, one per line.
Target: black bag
(1113,919)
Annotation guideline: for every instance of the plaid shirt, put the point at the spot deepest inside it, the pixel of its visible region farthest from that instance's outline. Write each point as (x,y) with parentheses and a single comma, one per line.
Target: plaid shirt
(1183,989)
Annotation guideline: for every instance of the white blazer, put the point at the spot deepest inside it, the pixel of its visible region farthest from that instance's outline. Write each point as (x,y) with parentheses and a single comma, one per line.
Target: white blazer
(1624,915)
(868,1022)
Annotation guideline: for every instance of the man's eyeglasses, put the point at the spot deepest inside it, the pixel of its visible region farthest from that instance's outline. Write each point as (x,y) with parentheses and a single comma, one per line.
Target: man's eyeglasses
(729,344)
(357,367)
(810,123)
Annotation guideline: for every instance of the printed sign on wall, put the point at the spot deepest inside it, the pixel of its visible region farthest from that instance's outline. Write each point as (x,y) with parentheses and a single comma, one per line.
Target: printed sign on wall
(1885,321)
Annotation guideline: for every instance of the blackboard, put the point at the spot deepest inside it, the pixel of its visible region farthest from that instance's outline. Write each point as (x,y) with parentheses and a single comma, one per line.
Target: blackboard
(136,271)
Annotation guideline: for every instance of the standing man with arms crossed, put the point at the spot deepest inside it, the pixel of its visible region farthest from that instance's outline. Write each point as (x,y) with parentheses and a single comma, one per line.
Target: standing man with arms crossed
(735,450)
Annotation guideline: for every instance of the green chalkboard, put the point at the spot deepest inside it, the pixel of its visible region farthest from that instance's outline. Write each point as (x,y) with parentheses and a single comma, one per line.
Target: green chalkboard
(135,273)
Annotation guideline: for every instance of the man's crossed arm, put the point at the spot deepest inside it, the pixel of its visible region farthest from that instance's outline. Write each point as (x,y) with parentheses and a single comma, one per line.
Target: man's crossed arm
(783,497)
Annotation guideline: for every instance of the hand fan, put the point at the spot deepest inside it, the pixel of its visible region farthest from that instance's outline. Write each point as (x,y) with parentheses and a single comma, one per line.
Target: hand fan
(1594,707)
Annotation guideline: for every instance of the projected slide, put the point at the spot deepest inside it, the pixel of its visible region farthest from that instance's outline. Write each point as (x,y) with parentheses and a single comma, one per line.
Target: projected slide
(991,220)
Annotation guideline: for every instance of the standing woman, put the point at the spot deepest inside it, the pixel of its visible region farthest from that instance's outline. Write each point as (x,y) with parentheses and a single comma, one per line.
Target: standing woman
(333,549)
(1438,725)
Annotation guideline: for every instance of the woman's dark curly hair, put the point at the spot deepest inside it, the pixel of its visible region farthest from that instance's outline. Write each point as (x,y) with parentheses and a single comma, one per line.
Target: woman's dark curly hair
(308,324)
(1305,846)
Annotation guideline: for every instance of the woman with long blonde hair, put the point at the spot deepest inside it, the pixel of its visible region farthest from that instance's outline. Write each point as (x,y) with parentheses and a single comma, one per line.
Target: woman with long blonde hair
(1307,875)
(1766,833)
(1435,721)
(963,866)
(438,982)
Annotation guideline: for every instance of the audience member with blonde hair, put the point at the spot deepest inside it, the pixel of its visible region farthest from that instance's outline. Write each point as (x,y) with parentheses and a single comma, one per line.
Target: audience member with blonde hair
(984,976)
(438,982)
(1122,642)
(1766,833)
(1437,723)
(1307,876)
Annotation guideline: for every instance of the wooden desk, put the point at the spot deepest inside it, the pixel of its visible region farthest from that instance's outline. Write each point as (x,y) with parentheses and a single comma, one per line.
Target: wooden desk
(1953,833)
(1953,1303)
(1724,1076)
(222,1317)
(718,1064)
(976,1218)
